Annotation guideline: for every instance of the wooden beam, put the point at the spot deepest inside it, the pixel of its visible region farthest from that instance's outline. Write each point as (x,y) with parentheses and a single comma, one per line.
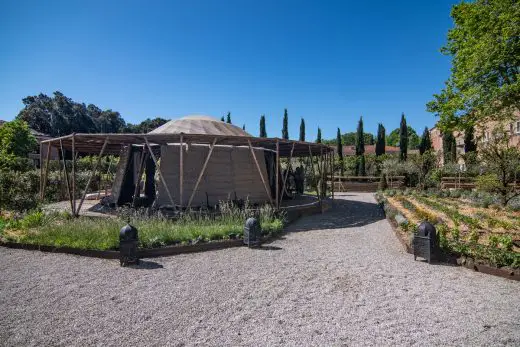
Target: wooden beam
(267,190)
(46,172)
(66,176)
(314,173)
(181,171)
(289,166)
(74,175)
(202,172)
(277,173)
(92,175)
(138,178)
(159,172)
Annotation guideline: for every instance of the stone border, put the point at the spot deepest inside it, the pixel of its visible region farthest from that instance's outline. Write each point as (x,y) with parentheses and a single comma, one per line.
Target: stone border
(468,263)
(292,215)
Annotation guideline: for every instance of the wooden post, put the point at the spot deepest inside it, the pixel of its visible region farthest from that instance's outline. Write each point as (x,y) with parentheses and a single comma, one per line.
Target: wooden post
(314,173)
(73,175)
(289,165)
(260,171)
(277,174)
(159,172)
(46,172)
(66,176)
(181,172)
(41,171)
(92,175)
(138,178)
(332,175)
(202,172)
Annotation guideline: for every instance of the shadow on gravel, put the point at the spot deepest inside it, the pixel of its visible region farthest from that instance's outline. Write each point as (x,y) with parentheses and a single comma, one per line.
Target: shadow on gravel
(269,248)
(146,265)
(344,214)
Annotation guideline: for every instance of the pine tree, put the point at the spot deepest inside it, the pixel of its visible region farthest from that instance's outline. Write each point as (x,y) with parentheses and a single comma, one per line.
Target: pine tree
(469,140)
(302,130)
(285,129)
(263,132)
(380,143)
(403,139)
(318,137)
(426,142)
(228,118)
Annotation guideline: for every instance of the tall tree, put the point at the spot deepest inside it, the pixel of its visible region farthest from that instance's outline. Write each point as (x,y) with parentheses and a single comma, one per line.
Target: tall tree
(426,142)
(222,119)
(339,148)
(228,118)
(449,147)
(360,149)
(469,140)
(302,130)
(263,132)
(285,128)
(485,73)
(380,143)
(403,139)
(318,137)
(244,127)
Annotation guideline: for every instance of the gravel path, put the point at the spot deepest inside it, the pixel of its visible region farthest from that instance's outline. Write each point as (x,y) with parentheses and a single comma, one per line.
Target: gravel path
(337,279)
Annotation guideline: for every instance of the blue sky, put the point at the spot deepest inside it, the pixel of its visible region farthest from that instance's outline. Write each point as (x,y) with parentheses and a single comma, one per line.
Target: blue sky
(329,62)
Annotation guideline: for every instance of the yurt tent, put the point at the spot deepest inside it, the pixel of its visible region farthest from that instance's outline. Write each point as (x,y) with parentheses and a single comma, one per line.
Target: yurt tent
(230,173)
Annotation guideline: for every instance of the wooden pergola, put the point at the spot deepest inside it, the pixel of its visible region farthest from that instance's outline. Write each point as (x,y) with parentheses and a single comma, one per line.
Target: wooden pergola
(111,144)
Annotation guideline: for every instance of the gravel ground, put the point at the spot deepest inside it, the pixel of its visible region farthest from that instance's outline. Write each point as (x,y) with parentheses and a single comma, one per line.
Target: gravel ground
(336,279)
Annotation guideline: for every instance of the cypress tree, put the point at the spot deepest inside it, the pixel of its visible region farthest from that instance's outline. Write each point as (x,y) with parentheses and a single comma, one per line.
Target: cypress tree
(403,139)
(244,127)
(318,138)
(302,130)
(449,148)
(360,138)
(222,119)
(426,142)
(228,118)
(362,171)
(263,132)
(380,143)
(469,140)
(339,144)
(285,129)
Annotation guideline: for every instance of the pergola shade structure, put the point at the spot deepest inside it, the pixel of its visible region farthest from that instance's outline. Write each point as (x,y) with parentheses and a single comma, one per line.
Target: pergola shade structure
(197,161)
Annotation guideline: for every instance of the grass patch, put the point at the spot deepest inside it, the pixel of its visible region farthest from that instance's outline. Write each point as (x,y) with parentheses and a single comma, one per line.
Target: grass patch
(61,230)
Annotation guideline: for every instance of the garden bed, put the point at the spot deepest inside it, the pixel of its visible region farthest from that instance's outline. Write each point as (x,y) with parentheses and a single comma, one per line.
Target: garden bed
(478,237)
(59,231)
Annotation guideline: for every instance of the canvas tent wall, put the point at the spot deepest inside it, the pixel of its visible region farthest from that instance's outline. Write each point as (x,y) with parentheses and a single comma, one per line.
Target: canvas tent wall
(231,173)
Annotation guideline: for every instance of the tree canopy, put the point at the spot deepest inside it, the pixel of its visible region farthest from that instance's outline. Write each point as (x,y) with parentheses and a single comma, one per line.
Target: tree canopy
(228,118)
(285,128)
(16,141)
(380,143)
(413,139)
(349,139)
(302,130)
(263,132)
(403,139)
(426,142)
(318,137)
(145,126)
(59,115)
(484,45)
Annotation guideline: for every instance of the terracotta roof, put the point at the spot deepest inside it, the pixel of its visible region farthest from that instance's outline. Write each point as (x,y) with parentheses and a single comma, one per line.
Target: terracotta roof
(369,149)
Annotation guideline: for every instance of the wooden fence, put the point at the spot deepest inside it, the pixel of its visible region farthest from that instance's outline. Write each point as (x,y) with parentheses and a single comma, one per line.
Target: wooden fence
(364,183)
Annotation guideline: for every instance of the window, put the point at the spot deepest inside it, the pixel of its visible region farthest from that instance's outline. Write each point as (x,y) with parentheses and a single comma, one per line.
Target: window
(517,128)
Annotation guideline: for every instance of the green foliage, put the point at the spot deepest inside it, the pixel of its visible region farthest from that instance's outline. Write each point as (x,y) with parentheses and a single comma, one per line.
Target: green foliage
(449,147)
(470,144)
(403,139)
(339,151)
(393,138)
(16,142)
(349,139)
(145,126)
(263,132)
(426,142)
(360,138)
(285,128)
(361,166)
(59,115)
(485,52)
(228,118)
(380,143)
(302,130)
(318,137)
(94,233)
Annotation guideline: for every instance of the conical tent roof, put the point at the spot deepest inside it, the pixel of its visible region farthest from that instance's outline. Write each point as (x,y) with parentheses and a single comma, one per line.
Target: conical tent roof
(198,124)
